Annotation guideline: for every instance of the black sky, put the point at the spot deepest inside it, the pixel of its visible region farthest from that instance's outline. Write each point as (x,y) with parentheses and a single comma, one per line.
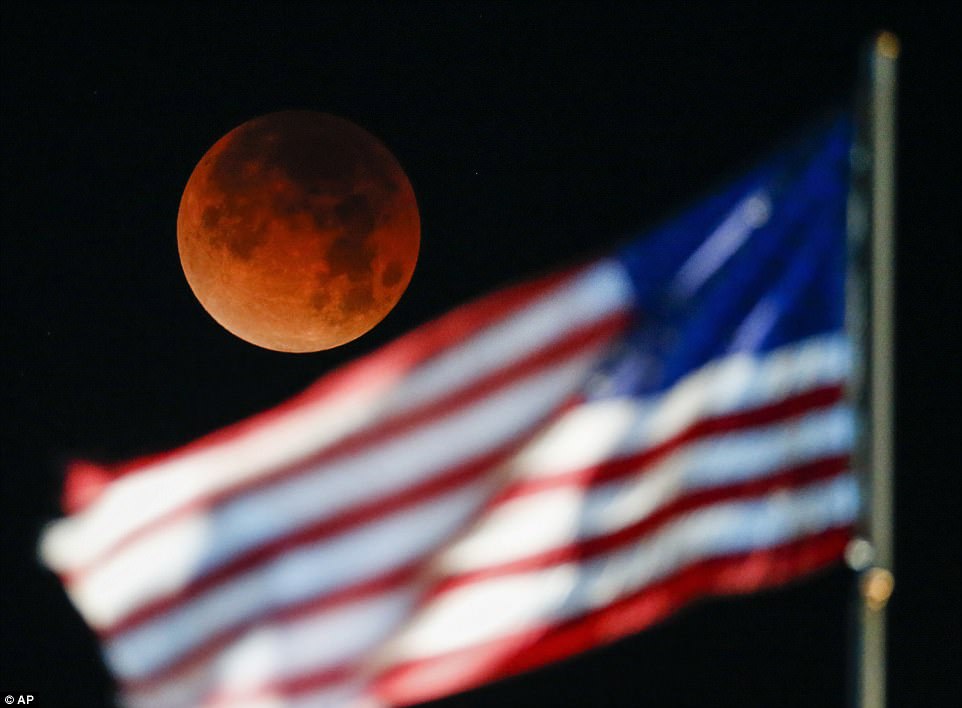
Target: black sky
(534,134)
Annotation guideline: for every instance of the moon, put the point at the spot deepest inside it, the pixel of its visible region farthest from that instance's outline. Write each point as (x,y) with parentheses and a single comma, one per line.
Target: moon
(298,231)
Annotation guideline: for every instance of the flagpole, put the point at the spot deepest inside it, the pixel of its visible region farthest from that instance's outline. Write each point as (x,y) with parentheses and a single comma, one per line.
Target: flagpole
(872,321)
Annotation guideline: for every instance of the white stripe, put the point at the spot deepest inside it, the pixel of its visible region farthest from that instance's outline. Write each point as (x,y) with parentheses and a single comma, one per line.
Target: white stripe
(140,498)
(544,521)
(488,609)
(286,650)
(164,562)
(739,382)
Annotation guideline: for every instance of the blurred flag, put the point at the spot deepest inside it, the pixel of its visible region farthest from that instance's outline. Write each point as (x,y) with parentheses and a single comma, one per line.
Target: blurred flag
(545,470)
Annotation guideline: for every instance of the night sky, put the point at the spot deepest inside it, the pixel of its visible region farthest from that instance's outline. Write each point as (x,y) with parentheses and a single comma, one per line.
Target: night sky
(535,135)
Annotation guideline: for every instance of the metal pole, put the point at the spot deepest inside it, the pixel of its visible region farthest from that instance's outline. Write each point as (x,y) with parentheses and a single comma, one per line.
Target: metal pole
(872,306)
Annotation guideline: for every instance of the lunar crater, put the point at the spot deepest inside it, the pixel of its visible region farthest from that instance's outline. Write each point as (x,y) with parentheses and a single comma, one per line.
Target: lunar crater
(392,274)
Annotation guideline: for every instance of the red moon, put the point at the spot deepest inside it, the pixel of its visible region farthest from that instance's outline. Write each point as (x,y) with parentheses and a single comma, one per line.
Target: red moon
(298,231)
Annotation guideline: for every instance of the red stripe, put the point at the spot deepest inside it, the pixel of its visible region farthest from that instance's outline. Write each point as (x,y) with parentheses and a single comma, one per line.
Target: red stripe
(427,679)
(83,483)
(612,469)
(782,480)
(389,363)
(572,344)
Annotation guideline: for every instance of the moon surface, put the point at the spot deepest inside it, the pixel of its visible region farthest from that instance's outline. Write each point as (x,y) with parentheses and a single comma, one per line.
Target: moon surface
(298,231)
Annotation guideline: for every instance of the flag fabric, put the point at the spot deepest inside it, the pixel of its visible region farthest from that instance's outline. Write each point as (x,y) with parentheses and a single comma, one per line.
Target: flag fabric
(543,471)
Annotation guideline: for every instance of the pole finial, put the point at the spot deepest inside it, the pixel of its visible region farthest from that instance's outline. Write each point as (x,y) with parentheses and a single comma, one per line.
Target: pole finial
(887,45)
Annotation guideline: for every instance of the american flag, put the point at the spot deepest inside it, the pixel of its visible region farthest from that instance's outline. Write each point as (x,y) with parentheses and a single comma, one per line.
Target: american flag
(542,471)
